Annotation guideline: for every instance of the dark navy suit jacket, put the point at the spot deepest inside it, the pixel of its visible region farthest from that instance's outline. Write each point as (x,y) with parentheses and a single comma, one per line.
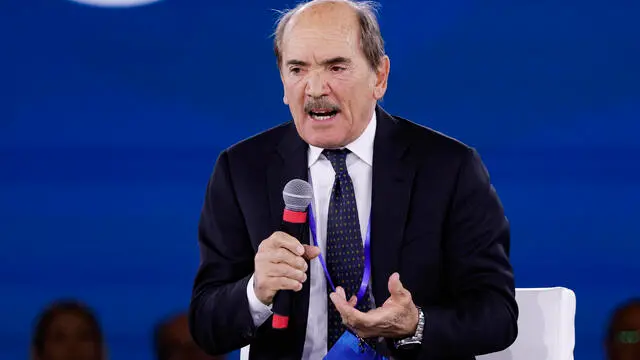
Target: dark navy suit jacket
(436,219)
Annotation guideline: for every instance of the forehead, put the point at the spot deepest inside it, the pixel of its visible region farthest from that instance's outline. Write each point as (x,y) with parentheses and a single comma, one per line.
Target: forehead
(628,319)
(70,318)
(322,31)
(633,317)
(71,322)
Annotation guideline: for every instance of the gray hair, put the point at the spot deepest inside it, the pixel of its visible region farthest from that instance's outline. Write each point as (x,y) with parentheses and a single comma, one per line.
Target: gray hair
(371,40)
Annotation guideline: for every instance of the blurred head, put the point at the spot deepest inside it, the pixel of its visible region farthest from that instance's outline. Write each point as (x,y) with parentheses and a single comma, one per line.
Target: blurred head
(333,68)
(623,335)
(67,330)
(173,341)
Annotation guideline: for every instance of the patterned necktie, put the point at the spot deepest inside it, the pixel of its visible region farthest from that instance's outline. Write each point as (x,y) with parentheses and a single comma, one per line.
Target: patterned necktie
(345,252)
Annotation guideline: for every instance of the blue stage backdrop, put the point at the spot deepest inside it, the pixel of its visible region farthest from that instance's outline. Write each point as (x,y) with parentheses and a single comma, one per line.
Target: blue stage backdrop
(111,121)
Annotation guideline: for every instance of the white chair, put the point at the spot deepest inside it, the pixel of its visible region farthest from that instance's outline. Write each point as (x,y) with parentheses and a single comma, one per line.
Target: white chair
(546,327)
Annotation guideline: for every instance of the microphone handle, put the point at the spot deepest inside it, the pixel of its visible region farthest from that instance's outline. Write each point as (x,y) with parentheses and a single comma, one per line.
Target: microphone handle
(283,298)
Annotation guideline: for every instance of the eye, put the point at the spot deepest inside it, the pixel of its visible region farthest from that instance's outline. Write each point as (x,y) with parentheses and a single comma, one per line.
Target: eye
(338,68)
(295,70)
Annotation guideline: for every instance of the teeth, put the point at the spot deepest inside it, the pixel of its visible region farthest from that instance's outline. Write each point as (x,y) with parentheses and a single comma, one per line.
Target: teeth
(322,117)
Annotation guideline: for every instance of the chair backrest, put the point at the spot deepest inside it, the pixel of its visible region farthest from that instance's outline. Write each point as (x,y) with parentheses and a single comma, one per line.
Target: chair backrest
(546,326)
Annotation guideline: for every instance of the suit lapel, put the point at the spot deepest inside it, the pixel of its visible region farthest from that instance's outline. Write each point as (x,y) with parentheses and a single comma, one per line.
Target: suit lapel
(392,181)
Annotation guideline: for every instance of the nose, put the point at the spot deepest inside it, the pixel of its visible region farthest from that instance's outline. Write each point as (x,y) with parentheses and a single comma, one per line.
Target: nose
(316,85)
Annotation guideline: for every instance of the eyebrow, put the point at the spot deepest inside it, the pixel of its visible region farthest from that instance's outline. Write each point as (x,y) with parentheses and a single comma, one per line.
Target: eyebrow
(331,61)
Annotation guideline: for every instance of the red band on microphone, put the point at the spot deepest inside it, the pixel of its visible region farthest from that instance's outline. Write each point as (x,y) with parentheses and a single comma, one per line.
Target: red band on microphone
(295,217)
(280,322)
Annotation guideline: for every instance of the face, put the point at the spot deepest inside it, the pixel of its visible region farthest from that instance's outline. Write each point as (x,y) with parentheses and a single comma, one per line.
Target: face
(329,86)
(71,337)
(180,344)
(626,344)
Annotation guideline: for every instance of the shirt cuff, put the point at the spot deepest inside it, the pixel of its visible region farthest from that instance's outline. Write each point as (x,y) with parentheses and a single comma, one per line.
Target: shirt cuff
(259,311)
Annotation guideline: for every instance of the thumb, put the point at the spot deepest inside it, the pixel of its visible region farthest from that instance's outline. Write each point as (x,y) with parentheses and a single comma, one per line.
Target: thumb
(395,286)
(311,252)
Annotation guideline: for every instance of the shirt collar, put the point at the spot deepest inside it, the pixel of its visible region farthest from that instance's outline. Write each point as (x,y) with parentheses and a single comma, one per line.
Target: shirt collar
(362,147)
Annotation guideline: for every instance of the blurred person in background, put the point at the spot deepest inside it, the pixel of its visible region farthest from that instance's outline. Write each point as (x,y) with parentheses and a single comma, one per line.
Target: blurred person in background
(68,330)
(172,341)
(623,335)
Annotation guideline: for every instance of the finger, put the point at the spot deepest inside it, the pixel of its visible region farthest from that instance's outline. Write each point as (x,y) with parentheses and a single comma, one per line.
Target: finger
(395,286)
(283,283)
(340,301)
(311,252)
(288,242)
(350,315)
(353,301)
(281,239)
(284,270)
(284,256)
(339,296)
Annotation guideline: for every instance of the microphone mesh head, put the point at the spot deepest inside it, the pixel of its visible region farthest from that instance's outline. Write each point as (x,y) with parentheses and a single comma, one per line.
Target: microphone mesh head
(297,195)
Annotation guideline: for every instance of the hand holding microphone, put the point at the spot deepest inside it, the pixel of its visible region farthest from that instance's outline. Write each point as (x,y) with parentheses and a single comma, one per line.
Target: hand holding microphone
(280,265)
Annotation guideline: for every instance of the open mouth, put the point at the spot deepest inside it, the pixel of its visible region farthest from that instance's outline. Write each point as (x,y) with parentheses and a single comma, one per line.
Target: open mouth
(322,115)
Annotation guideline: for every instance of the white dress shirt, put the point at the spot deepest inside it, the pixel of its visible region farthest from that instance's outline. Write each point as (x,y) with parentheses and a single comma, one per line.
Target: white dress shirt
(321,175)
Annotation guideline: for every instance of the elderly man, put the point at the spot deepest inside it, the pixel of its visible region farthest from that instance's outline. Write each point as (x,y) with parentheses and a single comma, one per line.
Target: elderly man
(418,203)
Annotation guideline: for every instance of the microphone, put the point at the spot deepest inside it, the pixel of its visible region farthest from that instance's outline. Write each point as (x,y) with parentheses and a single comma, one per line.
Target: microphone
(297,195)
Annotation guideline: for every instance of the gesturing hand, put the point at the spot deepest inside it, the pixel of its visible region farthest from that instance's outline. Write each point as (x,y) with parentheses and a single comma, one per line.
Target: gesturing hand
(397,318)
(280,265)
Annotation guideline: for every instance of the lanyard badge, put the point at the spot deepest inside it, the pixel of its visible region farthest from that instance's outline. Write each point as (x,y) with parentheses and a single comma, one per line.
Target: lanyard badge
(349,345)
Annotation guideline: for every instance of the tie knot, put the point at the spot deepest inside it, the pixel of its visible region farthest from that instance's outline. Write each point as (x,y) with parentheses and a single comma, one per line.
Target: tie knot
(338,159)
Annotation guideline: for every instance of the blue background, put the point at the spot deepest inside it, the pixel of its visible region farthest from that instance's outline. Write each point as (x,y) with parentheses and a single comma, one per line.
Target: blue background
(111,121)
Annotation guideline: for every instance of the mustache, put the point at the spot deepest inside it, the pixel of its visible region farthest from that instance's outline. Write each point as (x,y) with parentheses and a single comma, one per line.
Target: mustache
(321,103)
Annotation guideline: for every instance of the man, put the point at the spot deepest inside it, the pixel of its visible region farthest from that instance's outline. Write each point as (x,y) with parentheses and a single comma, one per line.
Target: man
(172,341)
(623,335)
(441,282)
(68,330)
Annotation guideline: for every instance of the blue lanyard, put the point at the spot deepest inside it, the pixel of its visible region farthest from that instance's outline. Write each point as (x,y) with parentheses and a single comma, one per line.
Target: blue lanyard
(367,257)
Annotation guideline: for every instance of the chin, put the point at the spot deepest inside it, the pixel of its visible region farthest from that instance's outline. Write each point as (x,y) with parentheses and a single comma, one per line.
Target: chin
(325,142)
(323,134)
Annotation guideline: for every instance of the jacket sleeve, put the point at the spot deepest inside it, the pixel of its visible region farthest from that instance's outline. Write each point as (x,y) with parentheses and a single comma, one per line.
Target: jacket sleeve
(219,317)
(482,316)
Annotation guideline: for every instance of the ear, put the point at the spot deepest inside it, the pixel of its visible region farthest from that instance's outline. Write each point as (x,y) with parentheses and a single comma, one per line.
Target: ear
(382,75)
(284,97)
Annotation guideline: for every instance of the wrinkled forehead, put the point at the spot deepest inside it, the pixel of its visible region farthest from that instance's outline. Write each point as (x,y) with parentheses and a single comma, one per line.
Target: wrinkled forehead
(322,33)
